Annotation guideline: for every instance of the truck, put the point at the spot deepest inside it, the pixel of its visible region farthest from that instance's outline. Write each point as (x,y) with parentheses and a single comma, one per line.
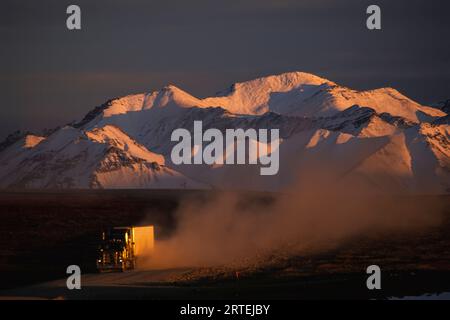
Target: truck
(121,247)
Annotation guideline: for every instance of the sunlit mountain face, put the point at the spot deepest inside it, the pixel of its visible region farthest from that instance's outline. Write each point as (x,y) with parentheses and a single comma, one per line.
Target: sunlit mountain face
(378,138)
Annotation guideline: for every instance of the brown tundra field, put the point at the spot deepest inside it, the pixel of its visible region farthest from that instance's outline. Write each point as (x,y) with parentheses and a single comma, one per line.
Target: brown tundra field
(41,233)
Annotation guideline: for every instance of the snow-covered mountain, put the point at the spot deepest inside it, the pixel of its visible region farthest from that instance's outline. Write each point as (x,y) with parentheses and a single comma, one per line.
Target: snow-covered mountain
(100,158)
(378,138)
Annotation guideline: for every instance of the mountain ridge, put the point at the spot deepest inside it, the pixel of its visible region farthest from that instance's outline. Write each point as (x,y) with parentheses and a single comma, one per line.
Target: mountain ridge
(362,132)
(255,97)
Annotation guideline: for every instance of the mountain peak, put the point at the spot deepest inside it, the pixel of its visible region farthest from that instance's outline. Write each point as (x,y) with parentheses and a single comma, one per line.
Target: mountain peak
(378,137)
(114,136)
(124,105)
(255,96)
(291,93)
(32,140)
(285,81)
(170,96)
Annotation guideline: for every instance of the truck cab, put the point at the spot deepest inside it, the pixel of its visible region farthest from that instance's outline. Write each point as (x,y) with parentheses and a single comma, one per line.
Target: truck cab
(116,250)
(120,247)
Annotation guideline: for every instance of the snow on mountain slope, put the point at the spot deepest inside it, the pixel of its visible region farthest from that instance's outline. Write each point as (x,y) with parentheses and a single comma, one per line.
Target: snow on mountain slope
(114,136)
(293,93)
(363,122)
(124,105)
(32,140)
(304,153)
(153,129)
(14,153)
(388,169)
(385,164)
(255,96)
(354,122)
(327,100)
(19,136)
(171,97)
(101,158)
(429,146)
(331,155)
(376,138)
(415,160)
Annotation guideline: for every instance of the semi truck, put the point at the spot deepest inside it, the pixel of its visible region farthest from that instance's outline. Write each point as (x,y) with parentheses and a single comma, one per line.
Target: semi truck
(121,248)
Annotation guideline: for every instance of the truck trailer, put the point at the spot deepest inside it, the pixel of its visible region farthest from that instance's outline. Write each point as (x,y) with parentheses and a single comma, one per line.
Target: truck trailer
(121,247)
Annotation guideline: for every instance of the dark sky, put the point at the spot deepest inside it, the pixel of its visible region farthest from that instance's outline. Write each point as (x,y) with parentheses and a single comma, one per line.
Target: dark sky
(50,75)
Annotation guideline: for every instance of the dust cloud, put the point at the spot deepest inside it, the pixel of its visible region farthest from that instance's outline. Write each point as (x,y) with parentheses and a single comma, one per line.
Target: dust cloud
(237,228)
